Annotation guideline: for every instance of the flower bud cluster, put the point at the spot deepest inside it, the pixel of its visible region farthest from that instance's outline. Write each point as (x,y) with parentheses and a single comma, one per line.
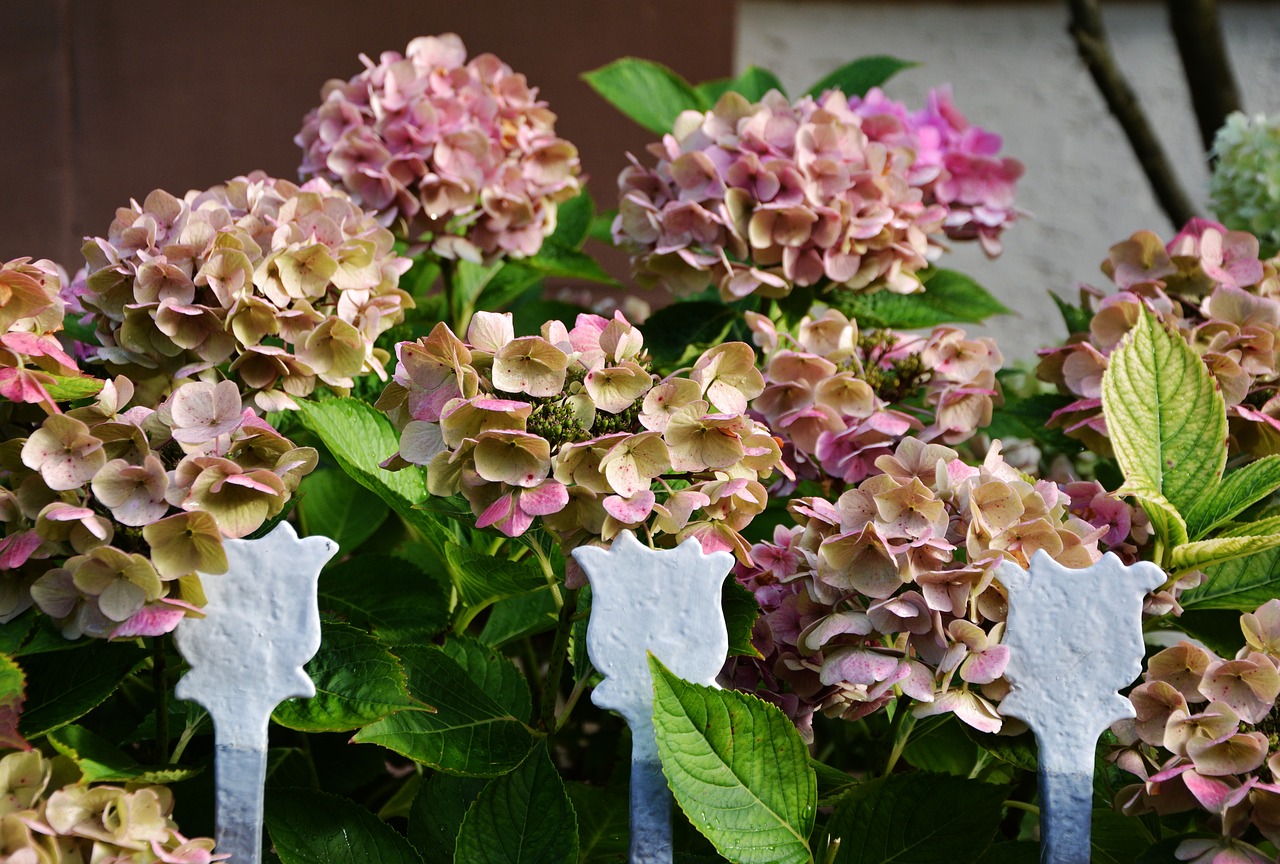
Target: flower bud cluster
(290,285)
(461,150)
(111,510)
(1245,186)
(830,390)
(1207,736)
(762,198)
(892,589)
(31,310)
(571,426)
(1207,283)
(78,823)
(956,164)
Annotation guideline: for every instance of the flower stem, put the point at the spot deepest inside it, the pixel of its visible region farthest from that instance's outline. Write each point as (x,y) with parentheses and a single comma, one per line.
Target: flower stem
(899,732)
(158,675)
(555,664)
(578,689)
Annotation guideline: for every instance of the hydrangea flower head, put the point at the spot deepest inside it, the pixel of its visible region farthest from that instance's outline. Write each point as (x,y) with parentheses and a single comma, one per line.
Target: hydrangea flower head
(459,151)
(282,285)
(1245,186)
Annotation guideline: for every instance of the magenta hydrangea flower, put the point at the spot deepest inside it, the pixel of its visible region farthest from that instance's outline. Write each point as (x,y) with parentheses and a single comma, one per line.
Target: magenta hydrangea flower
(459,152)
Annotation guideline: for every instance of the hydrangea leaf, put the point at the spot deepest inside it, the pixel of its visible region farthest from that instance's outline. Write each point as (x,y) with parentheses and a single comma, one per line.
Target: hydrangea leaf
(1076,318)
(63,686)
(437,812)
(1165,415)
(309,827)
(494,673)
(832,782)
(1242,583)
(358,681)
(647,92)
(517,617)
(939,744)
(740,613)
(403,604)
(333,505)
(69,388)
(1219,550)
(1017,852)
(573,220)
(737,767)
(603,822)
(1117,838)
(566,262)
(482,579)
(13,684)
(15,632)
(1237,491)
(859,76)
(524,817)
(753,83)
(100,761)
(683,330)
(949,297)
(469,733)
(917,818)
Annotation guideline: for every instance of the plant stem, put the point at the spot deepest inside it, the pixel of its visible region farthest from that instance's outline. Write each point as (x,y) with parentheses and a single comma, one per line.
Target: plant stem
(548,572)
(578,689)
(446,282)
(1090,36)
(159,672)
(1022,805)
(555,664)
(899,732)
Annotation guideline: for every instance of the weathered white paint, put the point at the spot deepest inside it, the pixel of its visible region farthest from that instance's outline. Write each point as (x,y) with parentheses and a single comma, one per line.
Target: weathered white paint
(261,624)
(1014,70)
(665,603)
(1074,639)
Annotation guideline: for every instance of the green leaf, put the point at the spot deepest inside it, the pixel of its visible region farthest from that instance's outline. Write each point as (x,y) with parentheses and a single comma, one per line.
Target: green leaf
(1016,750)
(752,84)
(470,280)
(482,579)
(517,617)
(604,828)
(1028,417)
(740,613)
(1165,416)
(15,633)
(856,78)
(1205,553)
(63,686)
(308,827)
(683,330)
(948,297)
(1018,852)
(333,505)
(13,684)
(1238,491)
(917,818)
(555,260)
(402,604)
(494,673)
(832,782)
(508,286)
(737,767)
(573,220)
(1166,521)
(69,388)
(100,761)
(647,92)
(1117,838)
(1243,584)
(357,682)
(360,437)
(437,812)
(1076,318)
(939,744)
(524,817)
(469,733)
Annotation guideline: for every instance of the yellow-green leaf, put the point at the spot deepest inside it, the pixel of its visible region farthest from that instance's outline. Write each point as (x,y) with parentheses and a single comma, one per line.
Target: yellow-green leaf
(1205,553)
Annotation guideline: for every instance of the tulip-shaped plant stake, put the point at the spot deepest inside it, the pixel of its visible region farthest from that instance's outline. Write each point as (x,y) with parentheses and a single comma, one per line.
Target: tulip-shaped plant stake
(261,624)
(666,603)
(1075,638)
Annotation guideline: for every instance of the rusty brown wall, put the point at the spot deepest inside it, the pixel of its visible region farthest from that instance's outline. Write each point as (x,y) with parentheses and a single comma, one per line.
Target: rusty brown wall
(104,100)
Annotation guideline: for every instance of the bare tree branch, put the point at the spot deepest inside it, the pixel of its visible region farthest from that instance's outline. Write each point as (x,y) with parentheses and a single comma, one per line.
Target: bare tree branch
(1197,29)
(1090,36)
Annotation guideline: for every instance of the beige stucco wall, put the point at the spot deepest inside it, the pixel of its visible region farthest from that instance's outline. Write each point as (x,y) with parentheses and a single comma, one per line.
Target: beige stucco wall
(1014,70)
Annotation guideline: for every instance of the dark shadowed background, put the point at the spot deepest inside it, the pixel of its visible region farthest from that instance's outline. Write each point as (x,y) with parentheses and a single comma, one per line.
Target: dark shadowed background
(105,100)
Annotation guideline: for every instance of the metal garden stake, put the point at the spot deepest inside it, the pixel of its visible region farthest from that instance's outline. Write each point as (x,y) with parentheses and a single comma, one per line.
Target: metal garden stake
(1075,638)
(261,624)
(664,602)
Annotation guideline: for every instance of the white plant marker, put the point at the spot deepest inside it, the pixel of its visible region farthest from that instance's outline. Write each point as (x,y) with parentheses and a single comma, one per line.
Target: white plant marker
(261,625)
(1075,638)
(668,603)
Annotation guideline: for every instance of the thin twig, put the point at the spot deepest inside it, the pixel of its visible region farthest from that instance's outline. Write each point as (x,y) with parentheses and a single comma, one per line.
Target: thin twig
(1090,36)
(1197,29)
